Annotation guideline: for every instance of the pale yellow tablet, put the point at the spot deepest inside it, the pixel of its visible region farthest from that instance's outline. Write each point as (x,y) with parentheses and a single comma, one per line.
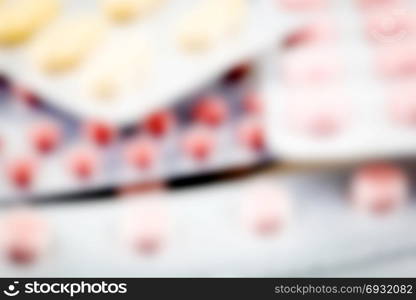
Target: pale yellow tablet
(20,19)
(126,10)
(209,22)
(65,44)
(122,64)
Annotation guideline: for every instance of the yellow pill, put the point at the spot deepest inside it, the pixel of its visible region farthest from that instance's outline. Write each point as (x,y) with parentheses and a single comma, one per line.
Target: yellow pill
(20,19)
(210,21)
(67,43)
(126,10)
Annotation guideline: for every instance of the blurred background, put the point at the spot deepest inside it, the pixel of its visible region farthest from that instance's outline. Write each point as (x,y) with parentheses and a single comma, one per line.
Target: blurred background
(225,138)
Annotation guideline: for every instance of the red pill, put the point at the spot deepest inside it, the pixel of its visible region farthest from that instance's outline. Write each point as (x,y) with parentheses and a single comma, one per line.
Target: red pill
(21,172)
(199,143)
(379,188)
(45,136)
(25,237)
(302,5)
(141,153)
(160,123)
(251,134)
(212,111)
(100,133)
(83,163)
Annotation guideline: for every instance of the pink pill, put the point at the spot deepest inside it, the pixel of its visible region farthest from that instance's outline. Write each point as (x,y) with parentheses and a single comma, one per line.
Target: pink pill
(141,153)
(319,115)
(146,229)
(379,188)
(250,133)
(199,143)
(314,33)
(160,123)
(389,26)
(301,5)
(21,172)
(402,105)
(25,237)
(253,104)
(83,163)
(380,4)
(265,209)
(45,136)
(312,66)
(212,111)
(101,133)
(396,61)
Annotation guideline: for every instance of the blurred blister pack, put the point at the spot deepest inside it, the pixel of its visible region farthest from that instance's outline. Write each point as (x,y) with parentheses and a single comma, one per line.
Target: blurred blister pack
(120,60)
(341,87)
(46,153)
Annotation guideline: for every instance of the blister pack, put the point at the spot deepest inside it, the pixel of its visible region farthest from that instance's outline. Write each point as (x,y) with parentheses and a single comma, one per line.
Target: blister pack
(120,60)
(46,153)
(341,87)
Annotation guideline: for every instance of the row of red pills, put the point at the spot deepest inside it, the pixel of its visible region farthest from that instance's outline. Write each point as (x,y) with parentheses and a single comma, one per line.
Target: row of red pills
(378,188)
(198,142)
